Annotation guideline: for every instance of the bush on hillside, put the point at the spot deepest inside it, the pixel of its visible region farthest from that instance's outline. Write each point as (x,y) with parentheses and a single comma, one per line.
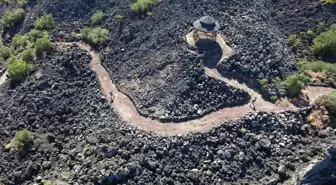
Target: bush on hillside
(325,43)
(119,17)
(321,27)
(98,17)
(20,139)
(318,66)
(142,6)
(46,22)
(12,18)
(4,2)
(329,1)
(293,40)
(18,69)
(94,36)
(19,41)
(23,3)
(5,53)
(28,54)
(329,102)
(43,45)
(295,83)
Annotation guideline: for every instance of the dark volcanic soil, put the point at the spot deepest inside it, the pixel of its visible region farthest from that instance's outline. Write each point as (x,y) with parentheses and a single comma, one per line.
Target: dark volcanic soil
(148,58)
(78,138)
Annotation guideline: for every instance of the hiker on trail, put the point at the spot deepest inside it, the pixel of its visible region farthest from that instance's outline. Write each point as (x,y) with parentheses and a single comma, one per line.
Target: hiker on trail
(111,95)
(252,105)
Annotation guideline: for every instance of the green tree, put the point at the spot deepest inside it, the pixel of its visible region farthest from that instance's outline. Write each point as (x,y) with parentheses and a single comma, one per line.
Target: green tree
(11,19)
(46,22)
(18,69)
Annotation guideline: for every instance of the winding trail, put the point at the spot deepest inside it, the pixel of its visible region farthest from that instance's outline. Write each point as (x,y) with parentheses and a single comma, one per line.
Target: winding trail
(128,112)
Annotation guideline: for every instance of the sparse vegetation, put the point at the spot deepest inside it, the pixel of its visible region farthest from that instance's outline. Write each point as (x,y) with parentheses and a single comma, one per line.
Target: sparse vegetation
(98,17)
(329,1)
(12,18)
(94,36)
(274,98)
(4,2)
(325,43)
(23,3)
(5,53)
(119,17)
(19,41)
(318,66)
(321,27)
(263,83)
(18,69)
(28,54)
(295,83)
(46,22)
(142,6)
(20,139)
(329,102)
(293,40)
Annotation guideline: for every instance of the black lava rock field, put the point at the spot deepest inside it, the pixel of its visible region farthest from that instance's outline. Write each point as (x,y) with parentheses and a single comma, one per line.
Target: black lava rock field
(80,139)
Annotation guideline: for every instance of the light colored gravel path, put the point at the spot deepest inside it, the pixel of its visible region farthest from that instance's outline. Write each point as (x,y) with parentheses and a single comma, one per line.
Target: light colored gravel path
(127,111)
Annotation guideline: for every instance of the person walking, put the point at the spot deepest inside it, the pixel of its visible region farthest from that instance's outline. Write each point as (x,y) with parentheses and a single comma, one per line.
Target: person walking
(252,105)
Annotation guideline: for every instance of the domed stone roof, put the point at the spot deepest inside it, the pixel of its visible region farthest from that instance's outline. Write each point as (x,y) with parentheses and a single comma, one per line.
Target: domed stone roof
(206,24)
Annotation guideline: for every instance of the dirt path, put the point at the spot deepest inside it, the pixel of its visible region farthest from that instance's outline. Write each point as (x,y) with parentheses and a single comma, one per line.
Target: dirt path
(127,111)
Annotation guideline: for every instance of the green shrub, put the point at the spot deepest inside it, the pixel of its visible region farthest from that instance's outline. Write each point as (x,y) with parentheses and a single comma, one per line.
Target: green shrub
(274,98)
(310,34)
(43,45)
(325,43)
(23,3)
(4,2)
(263,83)
(94,36)
(19,41)
(28,54)
(295,83)
(329,1)
(293,40)
(46,22)
(321,27)
(20,139)
(5,53)
(98,17)
(18,69)
(119,17)
(318,66)
(276,80)
(329,102)
(142,6)
(12,18)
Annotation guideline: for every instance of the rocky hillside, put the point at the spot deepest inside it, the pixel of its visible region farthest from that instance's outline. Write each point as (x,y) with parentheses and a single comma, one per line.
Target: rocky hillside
(79,139)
